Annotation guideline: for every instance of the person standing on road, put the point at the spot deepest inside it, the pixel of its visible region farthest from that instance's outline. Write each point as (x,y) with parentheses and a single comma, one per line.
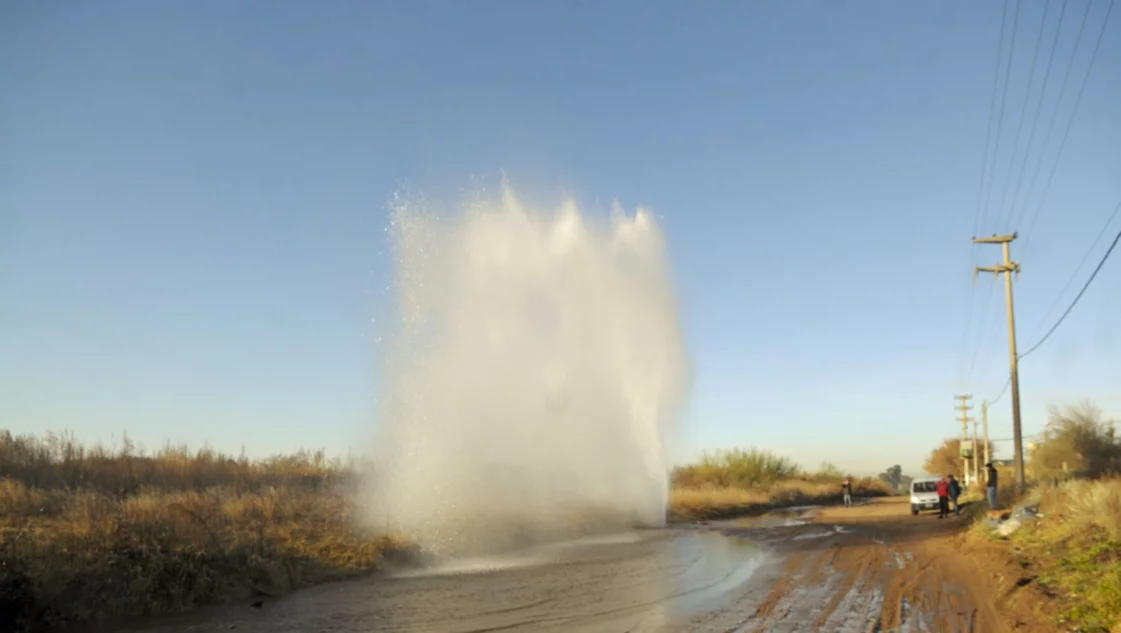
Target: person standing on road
(846,487)
(955,492)
(943,488)
(991,487)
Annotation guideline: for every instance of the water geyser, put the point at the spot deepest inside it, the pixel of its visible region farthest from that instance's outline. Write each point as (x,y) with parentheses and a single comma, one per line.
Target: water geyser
(533,377)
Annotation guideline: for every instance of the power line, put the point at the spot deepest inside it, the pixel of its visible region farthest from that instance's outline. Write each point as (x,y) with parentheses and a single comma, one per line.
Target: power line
(1002,391)
(1078,269)
(965,369)
(987,301)
(1055,114)
(1079,296)
(1094,274)
(1070,124)
(1038,109)
(1023,115)
(1009,439)
(964,346)
(989,129)
(1003,102)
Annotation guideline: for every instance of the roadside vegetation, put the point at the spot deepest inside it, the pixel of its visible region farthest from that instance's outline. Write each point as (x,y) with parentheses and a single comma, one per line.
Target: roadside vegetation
(1072,554)
(741,482)
(89,534)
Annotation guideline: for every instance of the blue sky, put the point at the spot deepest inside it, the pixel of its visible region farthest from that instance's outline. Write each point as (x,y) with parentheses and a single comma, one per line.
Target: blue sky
(193,197)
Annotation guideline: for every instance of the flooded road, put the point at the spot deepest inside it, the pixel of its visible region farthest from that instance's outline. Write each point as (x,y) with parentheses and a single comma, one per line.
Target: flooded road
(855,570)
(639,581)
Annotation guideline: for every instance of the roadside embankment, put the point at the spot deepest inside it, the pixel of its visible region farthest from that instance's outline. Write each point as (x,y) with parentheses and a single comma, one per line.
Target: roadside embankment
(1067,557)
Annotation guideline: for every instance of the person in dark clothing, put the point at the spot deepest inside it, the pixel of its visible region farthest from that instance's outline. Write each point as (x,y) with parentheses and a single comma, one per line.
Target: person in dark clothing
(991,486)
(943,488)
(846,487)
(955,493)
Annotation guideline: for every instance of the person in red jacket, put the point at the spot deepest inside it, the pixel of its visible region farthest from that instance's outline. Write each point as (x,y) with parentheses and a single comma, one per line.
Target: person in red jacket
(943,488)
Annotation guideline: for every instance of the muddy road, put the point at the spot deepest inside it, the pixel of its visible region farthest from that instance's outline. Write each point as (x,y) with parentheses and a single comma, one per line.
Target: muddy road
(869,568)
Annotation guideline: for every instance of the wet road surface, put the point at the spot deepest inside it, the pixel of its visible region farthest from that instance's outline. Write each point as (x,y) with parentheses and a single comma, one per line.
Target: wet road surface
(856,570)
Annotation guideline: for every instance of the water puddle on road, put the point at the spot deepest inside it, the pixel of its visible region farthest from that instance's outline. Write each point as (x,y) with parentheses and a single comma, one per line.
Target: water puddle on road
(787,517)
(547,554)
(713,567)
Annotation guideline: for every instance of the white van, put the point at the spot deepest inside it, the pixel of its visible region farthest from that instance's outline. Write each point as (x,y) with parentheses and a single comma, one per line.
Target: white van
(924,494)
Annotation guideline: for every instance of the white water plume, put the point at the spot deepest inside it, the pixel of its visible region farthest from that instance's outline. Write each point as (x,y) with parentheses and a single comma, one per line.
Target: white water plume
(533,380)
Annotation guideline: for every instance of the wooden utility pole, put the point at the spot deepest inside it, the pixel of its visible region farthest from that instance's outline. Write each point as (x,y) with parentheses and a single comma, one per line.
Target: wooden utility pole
(963,410)
(1007,267)
(976,456)
(985,425)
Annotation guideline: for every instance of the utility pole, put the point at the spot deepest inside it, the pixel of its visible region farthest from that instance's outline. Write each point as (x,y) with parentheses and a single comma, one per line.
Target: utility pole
(985,424)
(976,457)
(1008,267)
(963,409)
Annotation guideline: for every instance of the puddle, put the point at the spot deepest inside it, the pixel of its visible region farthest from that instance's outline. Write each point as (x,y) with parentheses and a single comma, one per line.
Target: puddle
(813,535)
(549,553)
(786,517)
(714,567)
(592,541)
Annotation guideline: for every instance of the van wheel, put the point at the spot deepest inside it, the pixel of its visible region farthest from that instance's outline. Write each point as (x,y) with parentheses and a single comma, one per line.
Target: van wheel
(914,511)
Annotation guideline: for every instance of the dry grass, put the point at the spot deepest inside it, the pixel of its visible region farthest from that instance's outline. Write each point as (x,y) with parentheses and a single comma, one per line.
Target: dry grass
(1078,442)
(711,502)
(738,482)
(88,535)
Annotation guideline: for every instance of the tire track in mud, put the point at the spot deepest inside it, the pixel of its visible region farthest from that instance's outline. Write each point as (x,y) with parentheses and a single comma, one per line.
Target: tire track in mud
(880,571)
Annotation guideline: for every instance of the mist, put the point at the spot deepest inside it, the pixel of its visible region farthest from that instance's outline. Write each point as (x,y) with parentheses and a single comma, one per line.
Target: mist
(534,374)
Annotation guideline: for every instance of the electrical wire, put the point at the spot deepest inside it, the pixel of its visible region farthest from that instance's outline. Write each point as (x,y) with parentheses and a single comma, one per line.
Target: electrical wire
(1003,102)
(1073,303)
(1024,436)
(1076,298)
(1074,275)
(980,334)
(1070,124)
(989,129)
(1038,109)
(965,369)
(1002,391)
(1023,115)
(1054,168)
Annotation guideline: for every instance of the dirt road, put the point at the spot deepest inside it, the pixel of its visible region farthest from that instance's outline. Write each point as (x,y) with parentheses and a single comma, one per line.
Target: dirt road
(844,570)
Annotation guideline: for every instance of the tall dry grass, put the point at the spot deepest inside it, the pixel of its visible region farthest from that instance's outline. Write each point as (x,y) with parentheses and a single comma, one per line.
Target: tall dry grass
(58,461)
(746,481)
(1087,506)
(90,533)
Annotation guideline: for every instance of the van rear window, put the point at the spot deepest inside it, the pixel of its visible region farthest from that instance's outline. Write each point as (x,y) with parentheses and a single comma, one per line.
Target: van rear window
(925,486)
